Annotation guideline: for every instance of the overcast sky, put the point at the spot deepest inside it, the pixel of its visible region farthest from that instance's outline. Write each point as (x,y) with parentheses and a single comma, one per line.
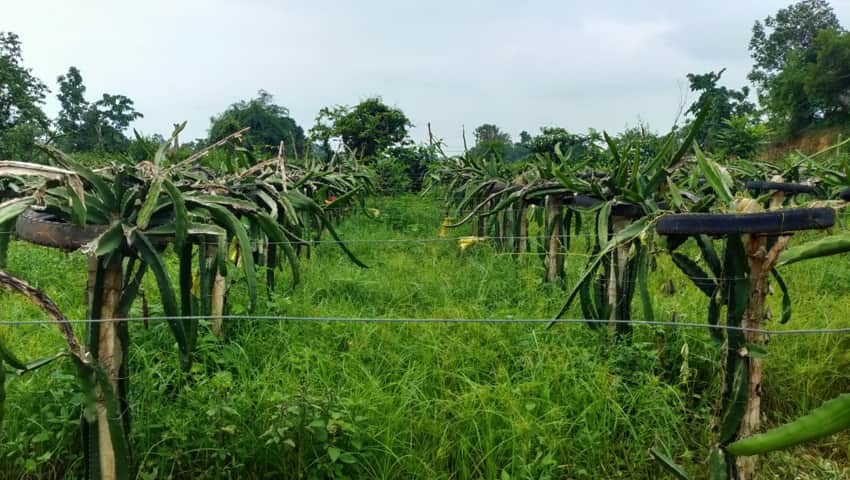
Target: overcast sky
(520,65)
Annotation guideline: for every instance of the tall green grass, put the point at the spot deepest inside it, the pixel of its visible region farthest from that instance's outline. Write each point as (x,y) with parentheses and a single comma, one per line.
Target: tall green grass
(341,400)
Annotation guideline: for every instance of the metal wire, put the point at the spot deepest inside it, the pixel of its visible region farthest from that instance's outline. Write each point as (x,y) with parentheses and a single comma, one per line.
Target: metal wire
(420,239)
(272,318)
(428,239)
(442,239)
(545,321)
(414,240)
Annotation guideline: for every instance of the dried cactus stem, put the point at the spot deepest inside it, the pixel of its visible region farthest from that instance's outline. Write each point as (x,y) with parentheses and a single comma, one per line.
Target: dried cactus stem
(40,300)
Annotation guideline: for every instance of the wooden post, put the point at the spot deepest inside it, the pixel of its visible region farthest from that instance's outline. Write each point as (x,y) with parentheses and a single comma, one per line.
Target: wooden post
(554,257)
(760,261)
(502,218)
(463,133)
(219,286)
(482,222)
(294,145)
(110,357)
(281,163)
(176,143)
(92,274)
(617,272)
(5,237)
(522,243)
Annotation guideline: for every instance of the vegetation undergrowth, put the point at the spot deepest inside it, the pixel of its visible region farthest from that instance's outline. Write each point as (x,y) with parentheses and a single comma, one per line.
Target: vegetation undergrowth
(312,399)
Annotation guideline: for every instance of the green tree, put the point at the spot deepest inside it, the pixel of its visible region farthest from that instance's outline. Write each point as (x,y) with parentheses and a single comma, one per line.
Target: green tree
(489,132)
(21,98)
(740,137)
(814,85)
(491,140)
(548,137)
(725,103)
(642,139)
(72,100)
(369,128)
(324,129)
(827,80)
(270,124)
(580,147)
(784,48)
(97,126)
(789,106)
(403,168)
(791,30)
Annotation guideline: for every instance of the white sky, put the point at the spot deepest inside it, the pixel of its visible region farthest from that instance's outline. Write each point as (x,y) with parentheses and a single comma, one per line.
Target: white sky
(520,65)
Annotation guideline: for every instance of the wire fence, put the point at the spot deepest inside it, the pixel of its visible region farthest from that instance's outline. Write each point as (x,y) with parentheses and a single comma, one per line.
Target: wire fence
(467,321)
(421,239)
(444,239)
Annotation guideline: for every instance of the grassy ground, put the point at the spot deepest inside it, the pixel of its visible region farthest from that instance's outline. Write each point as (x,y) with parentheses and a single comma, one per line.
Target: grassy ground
(317,400)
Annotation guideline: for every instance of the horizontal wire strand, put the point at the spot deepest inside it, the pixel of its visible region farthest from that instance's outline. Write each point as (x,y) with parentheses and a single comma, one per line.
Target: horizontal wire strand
(450,321)
(379,320)
(411,240)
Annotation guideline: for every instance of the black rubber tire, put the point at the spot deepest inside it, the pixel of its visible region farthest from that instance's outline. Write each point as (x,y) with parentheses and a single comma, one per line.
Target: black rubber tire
(845,194)
(627,210)
(42,228)
(497,187)
(766,223)
(582,201)
(780,187)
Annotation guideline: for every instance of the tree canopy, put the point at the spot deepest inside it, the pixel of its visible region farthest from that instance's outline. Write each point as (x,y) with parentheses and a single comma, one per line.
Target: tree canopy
(800,72)
(786,34)
(85,126)
(827,79)
(368,128)
(578,146)
(491,140)
(489,132)
(800,65)
(723,104)
(270,124)
(21,98)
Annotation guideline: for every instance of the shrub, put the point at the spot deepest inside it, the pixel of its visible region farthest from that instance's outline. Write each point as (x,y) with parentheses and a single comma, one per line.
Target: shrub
(391,175)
